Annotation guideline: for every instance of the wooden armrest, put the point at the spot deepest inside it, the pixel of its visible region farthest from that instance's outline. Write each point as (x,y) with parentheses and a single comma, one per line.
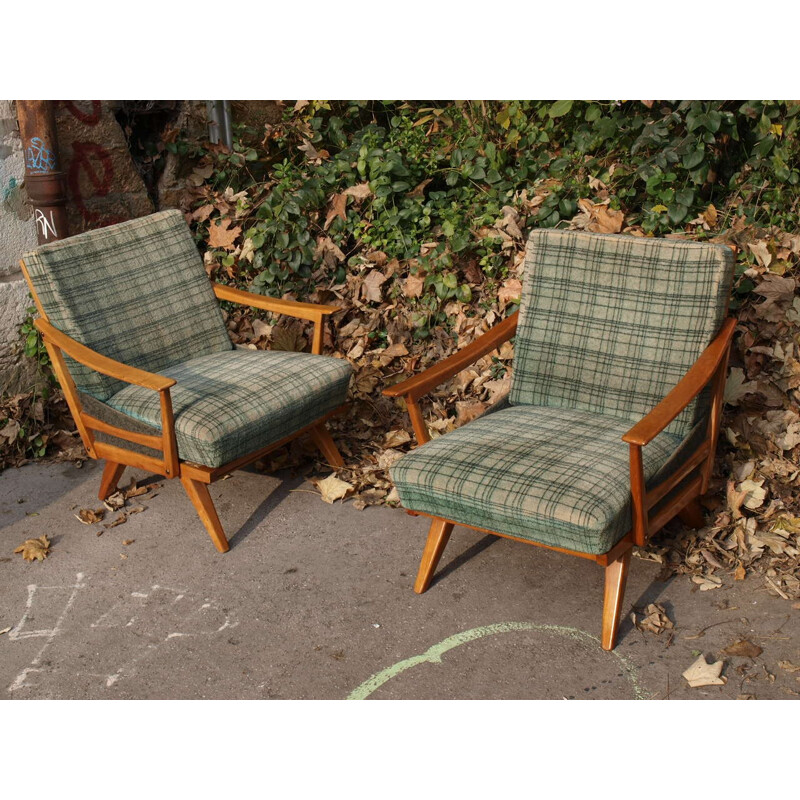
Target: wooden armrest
(421,384)
(101,363)
(692,383)
(310,311)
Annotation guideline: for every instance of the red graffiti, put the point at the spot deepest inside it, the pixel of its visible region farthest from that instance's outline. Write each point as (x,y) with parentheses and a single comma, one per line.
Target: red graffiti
(94,162)
(82,116)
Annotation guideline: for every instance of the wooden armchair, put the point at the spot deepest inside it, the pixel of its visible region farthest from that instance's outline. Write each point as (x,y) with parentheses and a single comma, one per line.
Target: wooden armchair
(139,346)
(619,341)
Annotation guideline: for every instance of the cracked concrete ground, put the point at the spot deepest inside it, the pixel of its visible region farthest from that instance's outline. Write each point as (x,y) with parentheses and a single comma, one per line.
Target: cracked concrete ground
(315,601)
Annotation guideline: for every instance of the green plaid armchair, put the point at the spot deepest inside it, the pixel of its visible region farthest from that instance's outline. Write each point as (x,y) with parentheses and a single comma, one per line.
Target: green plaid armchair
(610,426)
(137,340)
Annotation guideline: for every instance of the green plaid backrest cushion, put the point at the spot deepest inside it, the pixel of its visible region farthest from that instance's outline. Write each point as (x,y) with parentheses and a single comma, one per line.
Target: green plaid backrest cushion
(610,323)
(136,292)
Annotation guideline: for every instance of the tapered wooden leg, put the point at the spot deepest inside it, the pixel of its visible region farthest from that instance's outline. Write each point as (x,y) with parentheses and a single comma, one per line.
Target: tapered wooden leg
(692,515)
(616,577)
(201,500)
(322,439)
(438,535)
(112,472)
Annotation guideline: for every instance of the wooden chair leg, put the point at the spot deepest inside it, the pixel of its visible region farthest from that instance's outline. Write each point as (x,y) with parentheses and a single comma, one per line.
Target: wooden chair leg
(438,535)
(692,515)
(616,577)
(112,472)
(201,500)
(322,439)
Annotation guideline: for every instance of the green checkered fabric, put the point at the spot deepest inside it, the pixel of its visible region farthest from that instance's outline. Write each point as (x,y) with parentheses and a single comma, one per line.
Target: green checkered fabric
(556,476)
(608,326)
(611,323)
(229,404)
(136,292)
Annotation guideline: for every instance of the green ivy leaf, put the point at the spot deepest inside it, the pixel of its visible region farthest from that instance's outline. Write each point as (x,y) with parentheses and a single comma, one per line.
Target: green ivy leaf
(560,108)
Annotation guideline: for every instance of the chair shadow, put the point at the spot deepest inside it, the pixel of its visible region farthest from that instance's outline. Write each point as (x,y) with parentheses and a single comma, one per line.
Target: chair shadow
(287,484)
(470,553)
(272,501)
(649,595)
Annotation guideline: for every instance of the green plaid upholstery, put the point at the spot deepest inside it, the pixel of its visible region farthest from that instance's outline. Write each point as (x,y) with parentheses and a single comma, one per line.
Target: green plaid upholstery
(556,476)
(229,404)
(608,325)
(611,323)
(136,292)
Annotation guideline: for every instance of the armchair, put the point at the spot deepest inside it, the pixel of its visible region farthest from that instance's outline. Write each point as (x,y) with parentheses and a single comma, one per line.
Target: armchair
(619,368)
(139,346)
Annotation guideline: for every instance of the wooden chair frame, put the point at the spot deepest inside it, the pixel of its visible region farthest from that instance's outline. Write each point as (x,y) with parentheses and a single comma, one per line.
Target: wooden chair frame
(651,508)
(194,477)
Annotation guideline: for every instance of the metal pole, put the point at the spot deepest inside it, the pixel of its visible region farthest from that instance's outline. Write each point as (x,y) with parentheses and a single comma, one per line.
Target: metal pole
(220,125)
(44,180)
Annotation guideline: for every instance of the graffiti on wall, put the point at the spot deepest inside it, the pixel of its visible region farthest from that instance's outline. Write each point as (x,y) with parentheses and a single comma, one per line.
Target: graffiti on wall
(38,158)
(91,169)
(46,224)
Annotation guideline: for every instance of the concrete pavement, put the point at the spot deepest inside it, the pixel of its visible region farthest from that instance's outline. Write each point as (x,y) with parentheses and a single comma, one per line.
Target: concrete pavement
(315,601)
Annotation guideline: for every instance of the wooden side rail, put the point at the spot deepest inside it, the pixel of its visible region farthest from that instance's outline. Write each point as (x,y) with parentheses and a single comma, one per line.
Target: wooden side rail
(709,368)
(419,385)
(57,343)
(313,312)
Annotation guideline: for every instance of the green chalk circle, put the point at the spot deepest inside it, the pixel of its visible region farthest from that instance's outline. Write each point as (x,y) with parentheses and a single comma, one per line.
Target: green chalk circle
(433,655)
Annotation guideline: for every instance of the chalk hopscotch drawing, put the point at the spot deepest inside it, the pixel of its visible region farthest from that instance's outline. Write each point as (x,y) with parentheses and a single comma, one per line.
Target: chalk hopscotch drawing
(147,620)
(433,655)
(47,226)
(38,158)
(157,616)
(48,634)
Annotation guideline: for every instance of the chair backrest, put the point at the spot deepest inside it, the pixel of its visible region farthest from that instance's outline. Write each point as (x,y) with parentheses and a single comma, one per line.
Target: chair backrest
(136,292)
(610,323)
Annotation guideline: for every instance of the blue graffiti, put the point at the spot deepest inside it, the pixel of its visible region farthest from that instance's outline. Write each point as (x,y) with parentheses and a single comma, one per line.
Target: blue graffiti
(9,190)
(38,158)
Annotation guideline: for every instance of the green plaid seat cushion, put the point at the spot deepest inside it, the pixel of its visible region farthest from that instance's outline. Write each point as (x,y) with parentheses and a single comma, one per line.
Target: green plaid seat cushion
(136,292)
(611,323)
(552,475)
(229,404)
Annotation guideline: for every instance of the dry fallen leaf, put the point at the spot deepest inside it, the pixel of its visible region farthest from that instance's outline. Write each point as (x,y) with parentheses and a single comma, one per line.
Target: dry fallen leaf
(90,516)
(338,208)
(358,192)
(120,519)
(743,648)
(371,287)
(35,549)
(126,542)
(331,488)
(289,339)
(220,235)
(412,286)
(707,582)
(655,620)
(702,673)
(115,501)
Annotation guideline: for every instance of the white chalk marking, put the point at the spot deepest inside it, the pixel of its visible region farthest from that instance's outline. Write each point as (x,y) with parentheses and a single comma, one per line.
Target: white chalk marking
(47,633)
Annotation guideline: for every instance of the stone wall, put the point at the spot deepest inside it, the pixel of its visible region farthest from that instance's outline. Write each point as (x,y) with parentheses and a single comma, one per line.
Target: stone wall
(103,187)
(17,235)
